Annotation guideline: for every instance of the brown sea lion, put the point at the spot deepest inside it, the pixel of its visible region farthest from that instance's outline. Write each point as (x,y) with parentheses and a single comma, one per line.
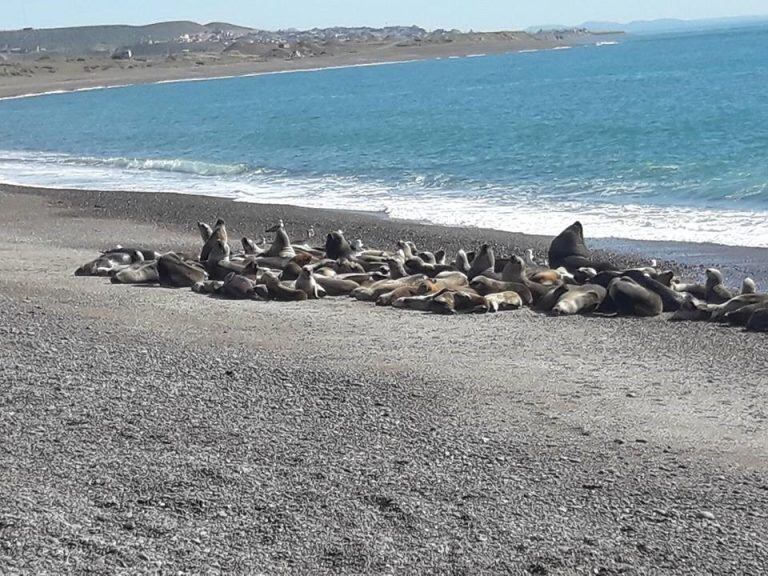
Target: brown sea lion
(278,291)
(579,300)
(484,285)
(484,263)
(173,271)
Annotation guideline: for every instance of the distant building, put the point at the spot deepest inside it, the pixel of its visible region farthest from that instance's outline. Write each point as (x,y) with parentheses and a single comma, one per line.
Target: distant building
(122,54)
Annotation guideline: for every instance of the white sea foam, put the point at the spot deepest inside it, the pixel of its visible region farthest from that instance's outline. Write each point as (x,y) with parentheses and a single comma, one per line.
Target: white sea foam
(518,210)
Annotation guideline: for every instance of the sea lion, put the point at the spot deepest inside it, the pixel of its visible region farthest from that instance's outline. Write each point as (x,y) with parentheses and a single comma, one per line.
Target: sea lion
(758,322)
(461,263)
(547,302)
(219,233)
(470,302)
(140,273)
(692,309)
(515,271)
(281,245)
(741,316)
(484,286)
(570,251)
(671,299)
(748,286)
(205,231)
(370,293)
(237,287)
(336,246)
(631,299)
(396,268)
(294,267)
(579,300)
(484,263)
(504,301)
(110,261)
(336,286)
(720,311)
(278,291)
(717,293)
(698,291)
(420,303)
(207,287)
(307,283)
(173,271)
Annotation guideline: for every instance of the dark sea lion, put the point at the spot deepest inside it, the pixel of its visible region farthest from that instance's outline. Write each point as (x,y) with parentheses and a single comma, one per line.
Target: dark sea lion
(175,272)
(570,251)
(579,300)
(631,299)
(741,316)
(692,310)
(503,301)
(237,287)
(219,233)
(717,293)
(671,299)
(427,257)
(470,302)
(547,302)
(294,267)
(336,246)
(483,263)
(758,322)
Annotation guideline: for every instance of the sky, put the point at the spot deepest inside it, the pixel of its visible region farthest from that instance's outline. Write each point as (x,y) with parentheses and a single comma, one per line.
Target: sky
(274,14)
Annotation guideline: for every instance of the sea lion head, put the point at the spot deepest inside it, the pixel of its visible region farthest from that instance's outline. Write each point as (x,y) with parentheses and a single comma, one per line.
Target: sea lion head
(514,270)
(249,246)
(276,227)
(748,286)
(714,277)
(205,231)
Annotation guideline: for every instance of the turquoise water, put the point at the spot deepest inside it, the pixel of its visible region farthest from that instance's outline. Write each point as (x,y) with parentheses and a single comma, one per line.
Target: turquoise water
(661,137)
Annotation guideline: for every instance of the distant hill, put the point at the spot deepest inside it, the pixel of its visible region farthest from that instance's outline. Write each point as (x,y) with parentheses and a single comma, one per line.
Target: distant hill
(107,38)
(664,25)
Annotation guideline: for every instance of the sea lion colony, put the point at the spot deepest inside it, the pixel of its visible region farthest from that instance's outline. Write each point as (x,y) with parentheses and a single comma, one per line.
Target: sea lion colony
(571,282)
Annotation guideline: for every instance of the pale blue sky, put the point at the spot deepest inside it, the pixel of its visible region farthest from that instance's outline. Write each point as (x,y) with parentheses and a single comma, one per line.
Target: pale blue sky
(463,14)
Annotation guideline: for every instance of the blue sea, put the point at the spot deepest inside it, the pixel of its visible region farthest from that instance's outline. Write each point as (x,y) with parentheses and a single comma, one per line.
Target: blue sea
(656,137)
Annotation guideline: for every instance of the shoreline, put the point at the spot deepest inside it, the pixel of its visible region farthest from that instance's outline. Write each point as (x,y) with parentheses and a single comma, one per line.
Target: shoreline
(243,68)
(152,427)
(691,259)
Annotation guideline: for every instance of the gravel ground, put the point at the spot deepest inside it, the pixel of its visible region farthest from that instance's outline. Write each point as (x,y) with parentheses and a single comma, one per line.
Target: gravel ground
(147,430)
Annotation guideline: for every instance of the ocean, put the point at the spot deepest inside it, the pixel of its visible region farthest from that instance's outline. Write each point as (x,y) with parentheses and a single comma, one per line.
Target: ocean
(656,137)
